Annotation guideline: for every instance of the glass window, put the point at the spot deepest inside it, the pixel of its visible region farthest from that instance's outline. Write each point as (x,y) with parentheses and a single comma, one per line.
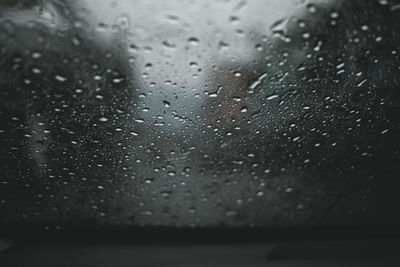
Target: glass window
(199,113)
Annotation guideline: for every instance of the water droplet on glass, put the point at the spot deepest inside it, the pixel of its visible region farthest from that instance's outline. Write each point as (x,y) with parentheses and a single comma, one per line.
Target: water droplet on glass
(117,80)
(311,8)
(36,55)
(223,46)
(36,71)
(272,97)
(171,173)
(231,213)
(166,104)
(76,41)
(193,41)
(255,83)
(60,78)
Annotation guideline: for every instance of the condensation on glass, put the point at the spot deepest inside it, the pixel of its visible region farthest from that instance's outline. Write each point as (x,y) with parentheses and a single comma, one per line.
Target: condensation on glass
(199,113)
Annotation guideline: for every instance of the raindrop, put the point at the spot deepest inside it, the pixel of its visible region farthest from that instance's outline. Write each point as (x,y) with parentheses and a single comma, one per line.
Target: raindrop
(60,78)
(36,55)
(361,83)
(334,15)
(383,2)
(169,44)
(193,41)
(215,94)
(272,97)
(254,84)
(36,71)
(76,41)
(259,47)
(364,28)
(117,80)
(237,74)
(166,104)
(311,8)
(339,66)
(139,120)
(289,190)
(231,213)
(171,173)
(223,46)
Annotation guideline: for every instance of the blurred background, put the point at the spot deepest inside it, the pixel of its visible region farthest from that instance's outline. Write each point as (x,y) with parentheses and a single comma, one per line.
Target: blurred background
(199,113)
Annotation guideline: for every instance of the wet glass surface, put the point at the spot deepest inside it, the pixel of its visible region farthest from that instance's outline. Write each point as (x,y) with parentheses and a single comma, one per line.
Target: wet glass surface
(199,113)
